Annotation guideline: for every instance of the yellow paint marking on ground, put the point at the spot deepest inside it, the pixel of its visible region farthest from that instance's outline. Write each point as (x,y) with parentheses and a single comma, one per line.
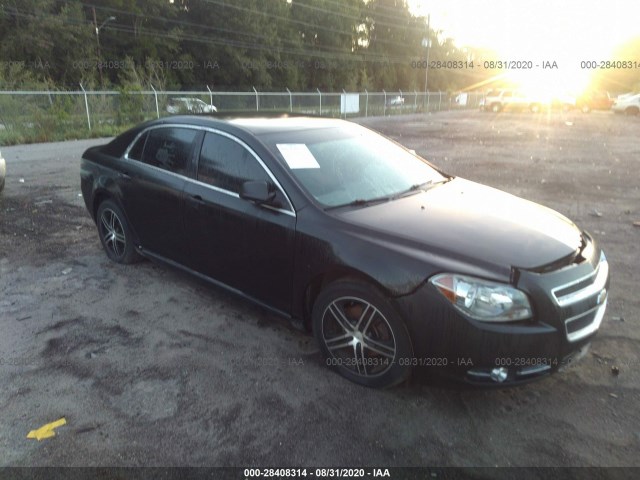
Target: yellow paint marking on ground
(46,431)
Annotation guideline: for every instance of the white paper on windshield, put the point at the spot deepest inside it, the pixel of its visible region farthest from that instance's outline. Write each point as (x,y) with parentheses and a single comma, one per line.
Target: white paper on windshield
(297,155)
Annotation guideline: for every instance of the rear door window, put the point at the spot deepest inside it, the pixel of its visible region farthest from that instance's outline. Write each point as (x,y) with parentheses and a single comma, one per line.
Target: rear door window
(136,151)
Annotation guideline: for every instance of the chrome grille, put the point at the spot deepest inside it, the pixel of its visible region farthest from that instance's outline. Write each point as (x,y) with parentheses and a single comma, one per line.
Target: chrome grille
(585,287)
(589,286)
(586,323)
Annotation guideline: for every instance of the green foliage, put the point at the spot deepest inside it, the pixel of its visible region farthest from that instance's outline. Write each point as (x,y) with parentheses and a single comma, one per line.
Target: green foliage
(189,44)
(130,108)
(54,118)
(48,37)
(232,45)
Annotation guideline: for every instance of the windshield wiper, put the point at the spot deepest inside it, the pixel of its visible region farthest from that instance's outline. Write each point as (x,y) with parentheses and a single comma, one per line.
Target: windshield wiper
(360,202)
(413,189)
(419,187)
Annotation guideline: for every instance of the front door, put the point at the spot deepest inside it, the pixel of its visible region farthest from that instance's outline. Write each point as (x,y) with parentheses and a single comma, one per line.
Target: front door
(245,246)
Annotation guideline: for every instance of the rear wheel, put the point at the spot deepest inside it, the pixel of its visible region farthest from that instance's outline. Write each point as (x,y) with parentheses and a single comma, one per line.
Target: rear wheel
(115,234)
(632,111)
(361,335)
(496,107)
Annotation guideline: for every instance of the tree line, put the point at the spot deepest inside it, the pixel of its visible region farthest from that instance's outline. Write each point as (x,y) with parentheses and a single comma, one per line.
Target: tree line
(226,45)
(271,45)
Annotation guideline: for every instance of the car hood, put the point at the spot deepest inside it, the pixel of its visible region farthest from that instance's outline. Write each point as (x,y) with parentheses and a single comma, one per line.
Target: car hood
(467,221)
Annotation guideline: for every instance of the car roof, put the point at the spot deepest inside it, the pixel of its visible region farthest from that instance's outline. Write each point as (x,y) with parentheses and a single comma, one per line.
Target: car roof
(255,124)
(266,125)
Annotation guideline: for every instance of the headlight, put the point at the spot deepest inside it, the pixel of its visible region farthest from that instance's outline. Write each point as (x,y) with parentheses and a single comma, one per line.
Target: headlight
(482,299)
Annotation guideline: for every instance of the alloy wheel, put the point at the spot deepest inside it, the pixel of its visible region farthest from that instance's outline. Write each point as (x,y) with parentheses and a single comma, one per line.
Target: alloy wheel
(358,337)
(112,232)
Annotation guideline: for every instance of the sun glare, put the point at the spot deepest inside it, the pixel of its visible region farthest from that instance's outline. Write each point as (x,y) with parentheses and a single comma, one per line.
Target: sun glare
(550,85)
(556,37)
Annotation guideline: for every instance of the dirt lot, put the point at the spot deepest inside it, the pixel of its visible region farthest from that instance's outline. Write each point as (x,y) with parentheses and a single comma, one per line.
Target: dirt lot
(150,367)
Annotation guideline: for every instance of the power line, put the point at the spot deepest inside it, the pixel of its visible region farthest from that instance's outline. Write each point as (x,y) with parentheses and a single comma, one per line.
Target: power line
(236,32)
(298,22)
(322,48)
(322,52)
(358,18)
(294,49)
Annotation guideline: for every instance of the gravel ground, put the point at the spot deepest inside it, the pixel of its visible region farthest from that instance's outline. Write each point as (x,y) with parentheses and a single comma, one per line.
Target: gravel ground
(151,367)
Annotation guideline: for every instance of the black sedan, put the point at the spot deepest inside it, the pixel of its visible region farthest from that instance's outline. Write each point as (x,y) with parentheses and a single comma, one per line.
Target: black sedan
(393,264)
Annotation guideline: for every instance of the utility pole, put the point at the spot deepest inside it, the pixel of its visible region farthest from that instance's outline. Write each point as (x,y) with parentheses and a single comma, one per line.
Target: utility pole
(95,24)
(428,42)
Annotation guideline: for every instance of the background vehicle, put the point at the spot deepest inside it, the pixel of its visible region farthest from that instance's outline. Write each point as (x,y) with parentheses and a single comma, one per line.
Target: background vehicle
(499,100)
(629,105)
(395,101)
(461,99)
(588,101)
(189,105)
(622,96)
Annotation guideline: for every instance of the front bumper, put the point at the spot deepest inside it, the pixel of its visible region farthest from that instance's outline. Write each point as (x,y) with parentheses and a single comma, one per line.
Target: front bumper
(569,305)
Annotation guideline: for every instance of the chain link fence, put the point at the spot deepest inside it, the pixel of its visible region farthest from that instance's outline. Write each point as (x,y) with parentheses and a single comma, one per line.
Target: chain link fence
(34,115)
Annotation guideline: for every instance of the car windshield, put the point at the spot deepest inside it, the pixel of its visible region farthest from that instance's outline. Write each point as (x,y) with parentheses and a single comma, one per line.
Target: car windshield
(353,165)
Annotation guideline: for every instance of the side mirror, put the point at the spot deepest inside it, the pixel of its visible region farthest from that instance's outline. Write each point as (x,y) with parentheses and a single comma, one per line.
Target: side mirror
(257,191)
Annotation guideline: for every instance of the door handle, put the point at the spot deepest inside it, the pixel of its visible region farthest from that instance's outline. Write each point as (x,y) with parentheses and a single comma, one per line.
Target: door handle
(124,176)
(196,200)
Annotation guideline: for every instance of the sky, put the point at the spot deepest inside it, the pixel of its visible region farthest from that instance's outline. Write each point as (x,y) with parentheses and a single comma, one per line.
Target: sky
(566,32)
(583,30)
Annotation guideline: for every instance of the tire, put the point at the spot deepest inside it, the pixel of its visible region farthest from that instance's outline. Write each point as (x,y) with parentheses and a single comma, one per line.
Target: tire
(115,234)
(496,107)
(632,111)
(585,109)
(361,335)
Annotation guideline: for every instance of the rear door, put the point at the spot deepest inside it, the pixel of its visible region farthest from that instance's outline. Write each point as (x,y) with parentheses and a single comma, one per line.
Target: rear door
(243,245)
(152,186)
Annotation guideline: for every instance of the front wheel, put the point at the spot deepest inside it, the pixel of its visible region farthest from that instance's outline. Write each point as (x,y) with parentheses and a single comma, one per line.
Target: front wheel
(115,234)
(361,335)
